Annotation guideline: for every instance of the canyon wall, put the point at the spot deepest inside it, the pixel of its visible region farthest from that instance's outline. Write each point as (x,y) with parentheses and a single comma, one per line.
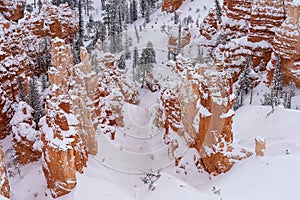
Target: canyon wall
(22,44)
(259,29)
(63,150)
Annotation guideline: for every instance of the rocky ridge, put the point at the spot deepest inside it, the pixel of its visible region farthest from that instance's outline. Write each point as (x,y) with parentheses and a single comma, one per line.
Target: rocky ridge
(257,29)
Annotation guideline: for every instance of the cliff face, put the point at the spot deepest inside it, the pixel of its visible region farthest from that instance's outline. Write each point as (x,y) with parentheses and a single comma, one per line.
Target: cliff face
(22,45)
(12,10)
(287,44)
(84,91)
(200,110)
(171,5)
(26,140)
(237,16)
(63,150)
(4,186)
(257,29)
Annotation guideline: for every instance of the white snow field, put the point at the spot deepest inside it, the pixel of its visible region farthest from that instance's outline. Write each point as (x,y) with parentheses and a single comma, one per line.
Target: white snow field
(274,176)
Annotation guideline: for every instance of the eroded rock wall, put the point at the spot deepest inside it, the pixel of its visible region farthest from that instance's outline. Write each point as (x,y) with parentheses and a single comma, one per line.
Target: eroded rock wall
(4,186)
(22,45)
(171,5)
(63,150)
(261,29)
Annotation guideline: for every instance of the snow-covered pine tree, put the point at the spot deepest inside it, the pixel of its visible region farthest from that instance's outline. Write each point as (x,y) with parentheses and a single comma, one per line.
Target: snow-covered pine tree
(115,15)
(39,4)
(121,62)
(89,6)
(143,6)
(127,52)
(21,90)
(276,85)
(136,34)
(78,40)
(55,2)
(103,4)
(244,81)
(45,82)
(147,14)
(135,62)
(148,57)
(178,51)
(287,100)
(12,164)
(133,11)
(292,87)
(218,11)
(34,100)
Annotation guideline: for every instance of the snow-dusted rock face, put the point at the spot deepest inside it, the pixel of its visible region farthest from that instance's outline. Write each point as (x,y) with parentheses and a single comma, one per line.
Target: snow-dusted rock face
(4,184)
(26,139)
(12,10)
(84,91)
(260,146)
(112,84)
(171,5)
(19,48)
(185,39)
(199,109)
(209,27)
(63,150)
(287,44)
(214,118)
(258,29)
(53,22)
(237,16)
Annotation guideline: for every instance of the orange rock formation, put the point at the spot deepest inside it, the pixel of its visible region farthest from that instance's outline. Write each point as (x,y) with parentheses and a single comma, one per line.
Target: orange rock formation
(12,10)
(171,5)
(200,110)
(26,140)
(257,29)
(63,150)
(20,46)
(4,186)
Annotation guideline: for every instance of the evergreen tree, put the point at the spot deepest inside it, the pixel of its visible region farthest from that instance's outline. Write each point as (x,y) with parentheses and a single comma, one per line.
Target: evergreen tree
(115,16)
(147,15)
(21,90)
(244,82)
(34,100)
(78,40)
(292,87)
(133,11)
(287,101)
(276,85)
(143,6)
(127,52)
(218,11)
(89,6)
(13,165)
(121,62)
(39,4)
(135,62)
(148,57)
(136,34)
(179,40)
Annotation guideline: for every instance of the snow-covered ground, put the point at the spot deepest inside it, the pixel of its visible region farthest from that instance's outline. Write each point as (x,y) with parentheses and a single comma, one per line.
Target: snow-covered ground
(274,176)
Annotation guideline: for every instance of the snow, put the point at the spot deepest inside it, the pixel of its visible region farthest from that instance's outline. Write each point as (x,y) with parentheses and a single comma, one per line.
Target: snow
(228,114)
(295,3)
(274,176)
